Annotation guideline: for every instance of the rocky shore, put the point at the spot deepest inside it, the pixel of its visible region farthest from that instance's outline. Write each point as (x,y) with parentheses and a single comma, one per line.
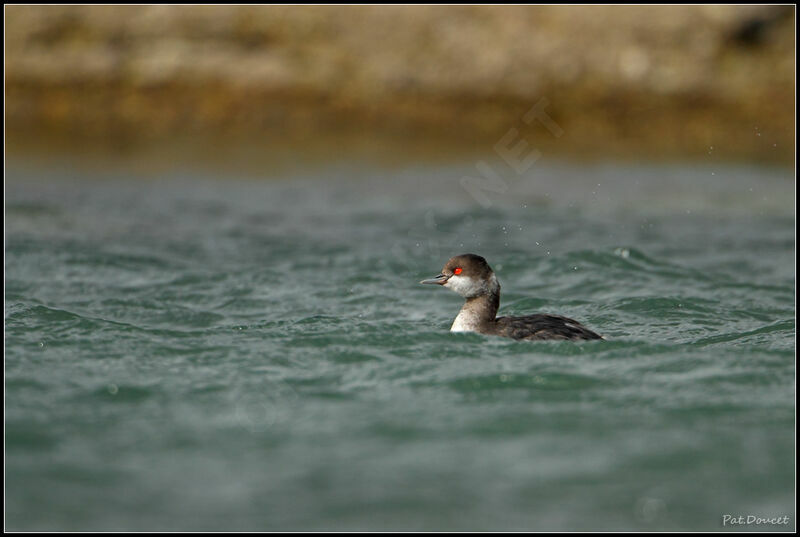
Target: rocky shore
(665,82)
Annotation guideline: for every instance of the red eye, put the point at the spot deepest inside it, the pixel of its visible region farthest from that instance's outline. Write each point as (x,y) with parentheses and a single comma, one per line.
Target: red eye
(457,271)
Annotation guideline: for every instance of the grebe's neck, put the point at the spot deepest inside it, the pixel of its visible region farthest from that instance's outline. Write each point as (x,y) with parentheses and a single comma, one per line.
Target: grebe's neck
(479,311)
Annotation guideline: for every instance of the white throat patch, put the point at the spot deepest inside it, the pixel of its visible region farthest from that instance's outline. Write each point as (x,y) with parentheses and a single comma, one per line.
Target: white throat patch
(470,287)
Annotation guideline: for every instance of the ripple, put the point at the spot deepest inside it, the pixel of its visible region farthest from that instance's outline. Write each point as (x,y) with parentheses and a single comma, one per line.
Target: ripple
(547,381)
(786,326)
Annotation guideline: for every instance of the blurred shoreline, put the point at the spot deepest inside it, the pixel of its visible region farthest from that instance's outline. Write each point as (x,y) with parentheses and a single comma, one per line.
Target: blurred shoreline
(402,82)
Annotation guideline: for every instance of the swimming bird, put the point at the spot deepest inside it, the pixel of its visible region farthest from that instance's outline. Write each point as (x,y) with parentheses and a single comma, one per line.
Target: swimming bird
(470,276)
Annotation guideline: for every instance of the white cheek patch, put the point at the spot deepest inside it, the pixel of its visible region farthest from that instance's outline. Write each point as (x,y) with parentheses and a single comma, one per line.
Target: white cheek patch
(464,285)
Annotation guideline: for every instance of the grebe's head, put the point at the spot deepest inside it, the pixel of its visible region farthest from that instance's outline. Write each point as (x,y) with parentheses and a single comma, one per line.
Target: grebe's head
(469,275)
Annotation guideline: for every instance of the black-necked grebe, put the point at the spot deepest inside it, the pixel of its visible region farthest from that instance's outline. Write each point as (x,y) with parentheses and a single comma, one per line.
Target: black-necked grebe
(470,276)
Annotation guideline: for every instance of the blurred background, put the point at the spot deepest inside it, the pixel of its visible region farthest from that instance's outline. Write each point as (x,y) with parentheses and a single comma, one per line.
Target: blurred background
(216,218)
(401,82)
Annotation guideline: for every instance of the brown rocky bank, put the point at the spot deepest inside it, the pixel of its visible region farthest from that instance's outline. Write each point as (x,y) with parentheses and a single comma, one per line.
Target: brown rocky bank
(620,81)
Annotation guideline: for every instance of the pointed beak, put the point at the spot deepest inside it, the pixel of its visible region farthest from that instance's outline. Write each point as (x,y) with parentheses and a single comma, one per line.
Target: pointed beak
(441,279)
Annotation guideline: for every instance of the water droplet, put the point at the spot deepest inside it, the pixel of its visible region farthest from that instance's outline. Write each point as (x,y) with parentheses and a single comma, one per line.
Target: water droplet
(622,252)
(650,509)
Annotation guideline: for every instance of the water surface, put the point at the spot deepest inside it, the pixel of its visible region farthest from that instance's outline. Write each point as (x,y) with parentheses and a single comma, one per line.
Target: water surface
(201,352)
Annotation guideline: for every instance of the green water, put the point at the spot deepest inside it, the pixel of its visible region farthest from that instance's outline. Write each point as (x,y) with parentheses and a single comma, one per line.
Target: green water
(200,352)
